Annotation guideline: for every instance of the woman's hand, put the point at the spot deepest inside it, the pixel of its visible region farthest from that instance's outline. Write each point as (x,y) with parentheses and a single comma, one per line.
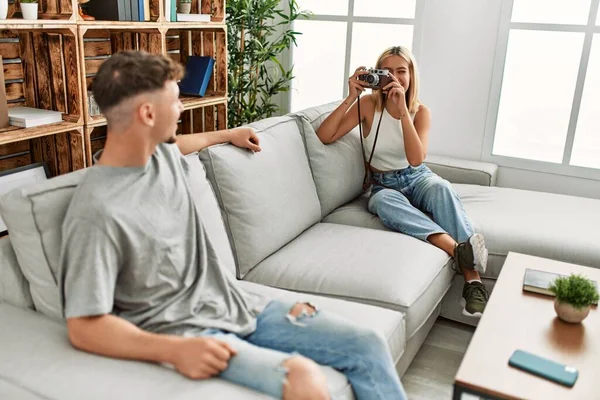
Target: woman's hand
(355,86)
(397,94)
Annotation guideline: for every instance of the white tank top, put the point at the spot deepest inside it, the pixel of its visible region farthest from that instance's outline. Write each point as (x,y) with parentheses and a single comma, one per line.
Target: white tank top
(390,154)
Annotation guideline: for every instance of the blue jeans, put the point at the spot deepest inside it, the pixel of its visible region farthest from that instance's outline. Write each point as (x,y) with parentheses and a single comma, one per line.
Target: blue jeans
(358,352)
(401,199)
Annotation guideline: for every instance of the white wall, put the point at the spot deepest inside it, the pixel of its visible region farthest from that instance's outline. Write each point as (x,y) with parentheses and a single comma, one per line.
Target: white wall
(456,57)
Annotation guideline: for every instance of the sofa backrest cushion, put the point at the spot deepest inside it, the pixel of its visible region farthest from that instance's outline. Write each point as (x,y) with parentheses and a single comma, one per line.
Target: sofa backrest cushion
(14,288)
(34,216)
(338,167)
(267,198)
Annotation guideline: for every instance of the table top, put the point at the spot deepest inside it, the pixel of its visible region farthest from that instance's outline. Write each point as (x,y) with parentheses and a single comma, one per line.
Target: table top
(513,320)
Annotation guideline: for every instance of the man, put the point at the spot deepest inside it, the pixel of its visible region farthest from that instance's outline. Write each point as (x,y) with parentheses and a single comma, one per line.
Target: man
(140,279)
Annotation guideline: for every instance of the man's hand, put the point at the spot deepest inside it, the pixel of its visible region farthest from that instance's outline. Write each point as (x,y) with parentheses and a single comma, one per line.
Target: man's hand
(245,138)
(201,357)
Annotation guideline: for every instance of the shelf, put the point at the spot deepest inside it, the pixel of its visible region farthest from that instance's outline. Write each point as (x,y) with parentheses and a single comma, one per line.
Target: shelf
(16,134)
(16,23)
(195,25)
(190,102)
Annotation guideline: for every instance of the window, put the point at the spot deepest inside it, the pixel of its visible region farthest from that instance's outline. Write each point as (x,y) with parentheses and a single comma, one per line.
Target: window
(341,36)
(543,113)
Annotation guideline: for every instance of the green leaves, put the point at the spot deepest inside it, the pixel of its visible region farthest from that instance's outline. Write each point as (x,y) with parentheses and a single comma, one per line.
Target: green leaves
(258,31)
(575,290)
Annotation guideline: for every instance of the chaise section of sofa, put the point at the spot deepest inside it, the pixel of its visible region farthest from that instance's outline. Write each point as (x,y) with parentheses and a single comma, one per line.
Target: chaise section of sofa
(541,224)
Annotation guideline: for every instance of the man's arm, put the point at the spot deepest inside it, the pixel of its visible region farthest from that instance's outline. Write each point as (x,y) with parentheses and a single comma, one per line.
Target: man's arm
(111,336)
(241,137)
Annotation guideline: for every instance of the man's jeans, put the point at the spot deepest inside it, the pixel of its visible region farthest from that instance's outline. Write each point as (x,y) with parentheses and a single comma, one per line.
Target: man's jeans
(401,199)
(358,352)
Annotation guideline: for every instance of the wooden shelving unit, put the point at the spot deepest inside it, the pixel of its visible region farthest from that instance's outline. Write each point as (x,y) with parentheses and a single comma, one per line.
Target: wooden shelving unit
(51,62)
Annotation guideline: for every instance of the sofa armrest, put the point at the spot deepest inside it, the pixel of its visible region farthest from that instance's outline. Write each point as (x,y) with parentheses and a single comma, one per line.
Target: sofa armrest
(463,171)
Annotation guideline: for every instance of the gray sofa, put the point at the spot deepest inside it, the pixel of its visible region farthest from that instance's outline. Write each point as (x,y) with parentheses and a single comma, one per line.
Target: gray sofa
(290,222)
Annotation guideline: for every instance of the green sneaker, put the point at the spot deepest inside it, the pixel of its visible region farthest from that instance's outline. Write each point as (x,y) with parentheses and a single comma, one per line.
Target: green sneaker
(472,254)
(474,299)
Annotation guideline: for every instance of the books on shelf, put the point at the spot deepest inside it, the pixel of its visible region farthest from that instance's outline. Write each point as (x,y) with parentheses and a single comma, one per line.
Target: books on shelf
(27,117)
(193,17)
(198,72)
(537,281)
(120,10)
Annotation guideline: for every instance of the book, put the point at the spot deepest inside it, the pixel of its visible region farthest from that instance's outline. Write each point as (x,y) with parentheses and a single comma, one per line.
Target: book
(4,121)
(537,281)
(198,72)
(168,10)
(193,17)
(27,117)
(173,10)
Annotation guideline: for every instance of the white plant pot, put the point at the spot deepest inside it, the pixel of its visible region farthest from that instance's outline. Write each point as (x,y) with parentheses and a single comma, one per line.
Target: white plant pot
(568,313)
(184,8)
(3,9)
(29,10)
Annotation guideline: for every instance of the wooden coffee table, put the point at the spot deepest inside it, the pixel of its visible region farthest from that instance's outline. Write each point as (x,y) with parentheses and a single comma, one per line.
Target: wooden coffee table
(513,320)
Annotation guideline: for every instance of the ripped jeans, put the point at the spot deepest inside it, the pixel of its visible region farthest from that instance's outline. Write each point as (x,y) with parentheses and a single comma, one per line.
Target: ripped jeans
(357,352)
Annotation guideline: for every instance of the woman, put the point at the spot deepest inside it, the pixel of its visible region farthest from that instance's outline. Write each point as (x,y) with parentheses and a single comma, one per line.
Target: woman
(395,128)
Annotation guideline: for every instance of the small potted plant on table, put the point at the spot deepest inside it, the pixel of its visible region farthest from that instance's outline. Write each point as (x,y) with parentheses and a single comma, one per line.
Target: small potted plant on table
(574,296)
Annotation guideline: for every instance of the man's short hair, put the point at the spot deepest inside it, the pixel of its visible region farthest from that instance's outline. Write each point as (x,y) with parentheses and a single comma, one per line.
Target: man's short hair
(129,73)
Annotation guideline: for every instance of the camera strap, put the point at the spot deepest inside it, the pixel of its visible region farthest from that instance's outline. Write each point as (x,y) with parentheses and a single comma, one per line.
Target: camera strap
(367,182)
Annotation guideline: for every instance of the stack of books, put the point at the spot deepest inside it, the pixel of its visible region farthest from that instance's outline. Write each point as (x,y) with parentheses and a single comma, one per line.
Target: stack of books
(27,117)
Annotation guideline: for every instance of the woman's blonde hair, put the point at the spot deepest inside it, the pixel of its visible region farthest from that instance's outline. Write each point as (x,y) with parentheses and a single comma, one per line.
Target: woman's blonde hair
(412,95)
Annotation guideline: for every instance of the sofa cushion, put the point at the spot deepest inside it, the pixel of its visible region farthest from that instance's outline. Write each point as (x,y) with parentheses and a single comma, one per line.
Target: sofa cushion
(370,266)
(34,216)
(457,170)
(355,213)
(37,356)
(266,198)
(390,324)
(337,168)
(554,226)
(14,288)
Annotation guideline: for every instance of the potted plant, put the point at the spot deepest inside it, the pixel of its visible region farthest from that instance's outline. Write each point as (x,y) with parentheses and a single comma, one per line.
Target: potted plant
(574,295)
(258,32)
(184,6)
(29,9)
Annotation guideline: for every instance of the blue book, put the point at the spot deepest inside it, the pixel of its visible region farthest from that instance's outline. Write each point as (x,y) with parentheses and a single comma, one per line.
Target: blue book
(198,72)
(141,10)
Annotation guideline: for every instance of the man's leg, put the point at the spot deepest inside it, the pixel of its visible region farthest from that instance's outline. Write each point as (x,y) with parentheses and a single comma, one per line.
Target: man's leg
(278,374)
(358,352)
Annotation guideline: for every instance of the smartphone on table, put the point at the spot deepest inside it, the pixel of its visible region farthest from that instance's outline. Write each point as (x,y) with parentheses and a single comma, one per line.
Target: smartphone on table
(556,372)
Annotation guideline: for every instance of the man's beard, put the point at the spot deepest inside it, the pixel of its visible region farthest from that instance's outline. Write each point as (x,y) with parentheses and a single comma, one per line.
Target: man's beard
(171,140)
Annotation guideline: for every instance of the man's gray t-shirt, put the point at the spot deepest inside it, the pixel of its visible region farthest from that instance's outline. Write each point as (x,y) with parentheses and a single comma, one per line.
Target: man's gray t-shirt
(134,246)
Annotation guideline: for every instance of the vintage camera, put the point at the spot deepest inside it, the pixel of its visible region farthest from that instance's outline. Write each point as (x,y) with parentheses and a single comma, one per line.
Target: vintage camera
(376,78)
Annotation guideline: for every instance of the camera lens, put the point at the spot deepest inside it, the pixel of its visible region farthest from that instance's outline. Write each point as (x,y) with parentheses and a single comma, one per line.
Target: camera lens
(372,79)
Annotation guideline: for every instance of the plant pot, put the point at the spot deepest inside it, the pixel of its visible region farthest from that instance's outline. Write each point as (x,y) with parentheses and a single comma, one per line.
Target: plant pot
(568,313)
(184,8)
(3,9)
(29,10)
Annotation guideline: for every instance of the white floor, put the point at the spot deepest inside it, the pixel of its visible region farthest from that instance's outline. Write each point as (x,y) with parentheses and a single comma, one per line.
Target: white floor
(431,374)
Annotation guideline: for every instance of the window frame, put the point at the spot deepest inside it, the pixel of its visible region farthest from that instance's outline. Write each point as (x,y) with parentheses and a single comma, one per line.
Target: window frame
(350,20)
(504,28)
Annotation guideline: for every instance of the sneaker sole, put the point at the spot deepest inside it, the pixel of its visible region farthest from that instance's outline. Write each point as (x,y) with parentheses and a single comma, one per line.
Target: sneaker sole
(480,252)
(463,303)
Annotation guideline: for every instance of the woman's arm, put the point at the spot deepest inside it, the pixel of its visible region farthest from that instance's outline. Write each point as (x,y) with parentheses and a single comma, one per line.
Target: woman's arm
(345,117)
(416,135)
